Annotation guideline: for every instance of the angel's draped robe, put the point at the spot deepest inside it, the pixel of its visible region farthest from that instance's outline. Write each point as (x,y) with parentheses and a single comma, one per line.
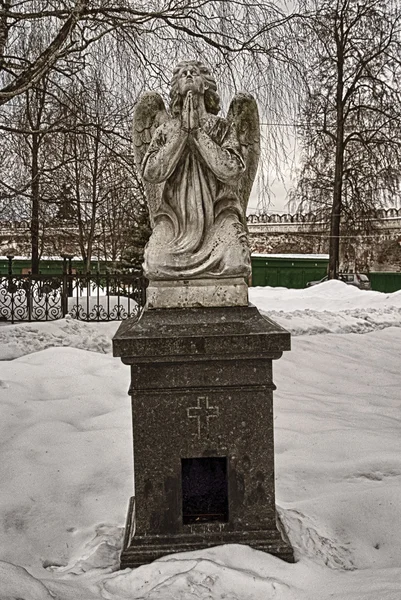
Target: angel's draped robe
(199,226)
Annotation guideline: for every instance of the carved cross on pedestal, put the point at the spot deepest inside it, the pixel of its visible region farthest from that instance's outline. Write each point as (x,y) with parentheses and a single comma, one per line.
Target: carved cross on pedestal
(202,412)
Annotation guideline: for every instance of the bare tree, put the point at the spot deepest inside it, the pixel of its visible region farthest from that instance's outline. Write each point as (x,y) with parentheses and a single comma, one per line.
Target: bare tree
(124,218)
(250,46)
(26,184)
(351,121)
(19,72)
(96,167)
(150,30)
(58,45)
(69,170)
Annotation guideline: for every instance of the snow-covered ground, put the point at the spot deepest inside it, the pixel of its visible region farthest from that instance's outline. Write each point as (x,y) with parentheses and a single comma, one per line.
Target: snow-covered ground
(66,461)
(332,307)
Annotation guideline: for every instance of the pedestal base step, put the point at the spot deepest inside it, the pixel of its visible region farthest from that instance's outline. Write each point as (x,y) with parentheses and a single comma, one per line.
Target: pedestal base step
(139,550)
(143,551)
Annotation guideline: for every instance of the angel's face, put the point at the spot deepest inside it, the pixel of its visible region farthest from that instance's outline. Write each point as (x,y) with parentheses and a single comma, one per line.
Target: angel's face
(190,79)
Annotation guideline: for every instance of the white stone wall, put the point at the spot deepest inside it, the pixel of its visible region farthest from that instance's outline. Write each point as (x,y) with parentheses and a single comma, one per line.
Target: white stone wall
(378,250)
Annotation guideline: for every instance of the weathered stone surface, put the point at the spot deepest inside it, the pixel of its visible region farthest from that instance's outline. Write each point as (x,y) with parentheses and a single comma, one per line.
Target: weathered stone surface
(198,170)
(197,293)
(139,550)
(199,334)
(201,388)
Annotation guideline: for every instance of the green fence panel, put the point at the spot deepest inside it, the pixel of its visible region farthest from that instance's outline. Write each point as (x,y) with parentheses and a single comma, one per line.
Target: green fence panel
(51,266)
(272,277)
(258,275)
(294,272)
(385,282)
(288,272)
(313,274)
(291,277)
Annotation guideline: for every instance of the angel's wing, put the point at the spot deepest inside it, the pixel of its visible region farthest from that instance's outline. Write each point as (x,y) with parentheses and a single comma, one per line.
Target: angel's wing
(149,113)
(243,112)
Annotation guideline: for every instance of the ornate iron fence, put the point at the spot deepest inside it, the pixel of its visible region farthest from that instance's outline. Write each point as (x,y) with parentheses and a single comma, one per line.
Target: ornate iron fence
(93,297)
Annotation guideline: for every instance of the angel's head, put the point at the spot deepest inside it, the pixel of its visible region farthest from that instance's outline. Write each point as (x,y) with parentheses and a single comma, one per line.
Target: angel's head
(194,76)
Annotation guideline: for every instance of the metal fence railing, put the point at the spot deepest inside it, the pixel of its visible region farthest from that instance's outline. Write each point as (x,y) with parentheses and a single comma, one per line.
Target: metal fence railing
(93,297)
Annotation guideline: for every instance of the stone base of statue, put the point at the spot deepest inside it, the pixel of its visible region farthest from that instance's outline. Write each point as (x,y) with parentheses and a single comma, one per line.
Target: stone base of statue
(197,292)
(202,408)
(142,549)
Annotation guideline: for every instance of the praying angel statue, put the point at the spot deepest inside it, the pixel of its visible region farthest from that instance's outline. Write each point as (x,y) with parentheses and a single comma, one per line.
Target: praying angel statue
(198,170)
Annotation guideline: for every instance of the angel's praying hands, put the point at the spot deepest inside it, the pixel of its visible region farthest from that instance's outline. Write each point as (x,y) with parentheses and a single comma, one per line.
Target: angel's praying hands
(189,115)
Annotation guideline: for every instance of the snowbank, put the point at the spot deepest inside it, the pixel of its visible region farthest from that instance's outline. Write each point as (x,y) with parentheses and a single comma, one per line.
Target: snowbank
(24,338)
(331,296)
(66,468)
(330,307)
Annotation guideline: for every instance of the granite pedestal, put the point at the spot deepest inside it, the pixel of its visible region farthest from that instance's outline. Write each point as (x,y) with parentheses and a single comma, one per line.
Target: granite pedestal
(202,409)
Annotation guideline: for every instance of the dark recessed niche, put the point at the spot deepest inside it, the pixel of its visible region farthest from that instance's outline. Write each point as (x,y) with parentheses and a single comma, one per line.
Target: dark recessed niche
(204,490)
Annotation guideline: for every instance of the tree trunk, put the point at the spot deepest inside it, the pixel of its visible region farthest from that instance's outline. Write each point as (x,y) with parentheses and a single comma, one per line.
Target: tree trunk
(79,208)
(35,201)
(335,220)
(94,202)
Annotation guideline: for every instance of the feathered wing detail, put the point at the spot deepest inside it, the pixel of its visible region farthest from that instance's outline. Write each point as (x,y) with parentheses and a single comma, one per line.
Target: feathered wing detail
(149,113)
(243,112)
